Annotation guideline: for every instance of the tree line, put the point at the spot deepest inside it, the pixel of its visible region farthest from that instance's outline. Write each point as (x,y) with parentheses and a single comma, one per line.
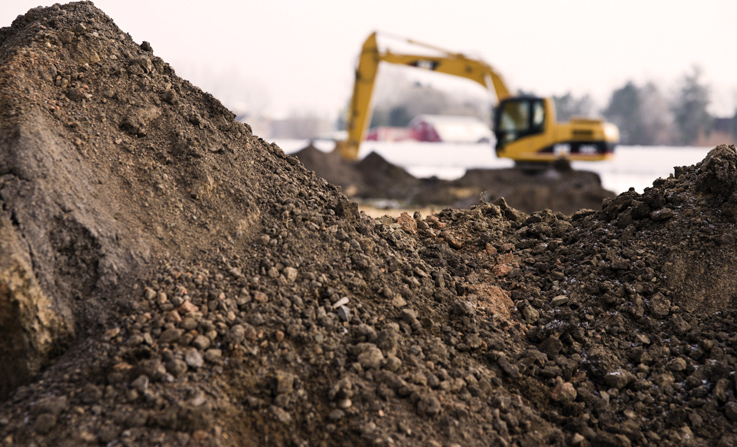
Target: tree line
(646,115)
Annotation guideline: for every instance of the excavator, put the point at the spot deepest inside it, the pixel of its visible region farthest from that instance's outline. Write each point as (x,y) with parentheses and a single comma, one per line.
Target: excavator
(525,127)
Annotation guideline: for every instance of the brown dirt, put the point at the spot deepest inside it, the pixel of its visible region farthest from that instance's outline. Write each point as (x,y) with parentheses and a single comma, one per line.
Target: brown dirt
(373,179)
(167,278)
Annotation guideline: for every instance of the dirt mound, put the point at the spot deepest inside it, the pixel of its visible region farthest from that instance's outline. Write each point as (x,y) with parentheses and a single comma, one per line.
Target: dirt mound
(332,167)
(167,278)
(561,190)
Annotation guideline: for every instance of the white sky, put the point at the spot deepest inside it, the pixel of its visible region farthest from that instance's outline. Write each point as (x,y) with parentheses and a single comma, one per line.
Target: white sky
(297,55)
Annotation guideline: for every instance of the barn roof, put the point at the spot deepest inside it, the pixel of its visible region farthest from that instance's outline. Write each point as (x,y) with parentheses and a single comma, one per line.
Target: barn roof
(456,129)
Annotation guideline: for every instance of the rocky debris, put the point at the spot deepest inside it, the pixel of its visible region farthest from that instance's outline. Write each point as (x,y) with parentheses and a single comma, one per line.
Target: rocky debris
(202,288)
(374,178)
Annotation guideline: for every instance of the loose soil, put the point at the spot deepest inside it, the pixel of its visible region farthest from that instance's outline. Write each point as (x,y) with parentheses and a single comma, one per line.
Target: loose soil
(168,278)
(373,180)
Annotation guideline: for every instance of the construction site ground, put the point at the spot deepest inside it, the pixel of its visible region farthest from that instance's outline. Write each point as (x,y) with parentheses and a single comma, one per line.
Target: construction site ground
(169,279)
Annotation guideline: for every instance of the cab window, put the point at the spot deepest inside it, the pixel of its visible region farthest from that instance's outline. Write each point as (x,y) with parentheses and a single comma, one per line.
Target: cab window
(514,120)
(519,118)
(538,117)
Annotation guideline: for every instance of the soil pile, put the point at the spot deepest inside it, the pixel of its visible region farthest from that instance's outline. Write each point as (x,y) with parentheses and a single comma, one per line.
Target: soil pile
(167,278)
(560,190)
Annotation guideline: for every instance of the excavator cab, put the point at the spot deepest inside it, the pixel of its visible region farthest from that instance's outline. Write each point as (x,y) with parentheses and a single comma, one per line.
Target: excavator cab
(527,131)
(517,118)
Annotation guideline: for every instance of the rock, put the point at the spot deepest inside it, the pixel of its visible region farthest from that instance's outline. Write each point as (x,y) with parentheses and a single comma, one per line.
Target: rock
(176,367)
(152,368)
(170,336)
(336,415)
(659,306)
(720,389)
(551,346)
(451,240)
(663,380)
(140,384)
(564,392)
(392,363)
(201,342)
(680,326)
(474,341)
(188,308)
(730,410)
(193,358)
(619,378)
(678,364)
(661,214)
(194,416)
(508,368)
(236,334)
(213,355)
(370,357)
(91,394)
(343,389)
(107,433)
(284,382)
(281,415)
(531,314)
(407,223)
(44,423)
(290,273)
(344,313)
(341,302)
(135,340)
(559,300)
(137,120)
(429,405)
(53,405)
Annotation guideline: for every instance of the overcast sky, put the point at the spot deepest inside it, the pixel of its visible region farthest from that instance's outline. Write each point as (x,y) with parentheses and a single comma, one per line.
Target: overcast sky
(283,56)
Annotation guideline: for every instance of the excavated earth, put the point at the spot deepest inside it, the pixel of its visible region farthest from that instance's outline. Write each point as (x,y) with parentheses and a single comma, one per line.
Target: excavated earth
(373,179)
(169,279)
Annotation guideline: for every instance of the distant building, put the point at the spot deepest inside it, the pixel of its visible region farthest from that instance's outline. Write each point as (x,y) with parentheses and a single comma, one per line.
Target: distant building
(722,132)
(450,129)
(386,133)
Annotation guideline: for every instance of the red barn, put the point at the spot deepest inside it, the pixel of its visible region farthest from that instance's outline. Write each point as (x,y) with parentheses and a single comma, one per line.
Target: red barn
(450,129)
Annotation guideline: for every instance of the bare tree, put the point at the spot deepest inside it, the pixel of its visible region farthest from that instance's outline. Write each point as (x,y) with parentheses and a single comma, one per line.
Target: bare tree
(689,108)
(657,120)
(568,106)
(624,110)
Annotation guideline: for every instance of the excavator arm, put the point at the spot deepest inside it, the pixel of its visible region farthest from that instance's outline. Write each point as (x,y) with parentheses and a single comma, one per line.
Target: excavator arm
(454,64)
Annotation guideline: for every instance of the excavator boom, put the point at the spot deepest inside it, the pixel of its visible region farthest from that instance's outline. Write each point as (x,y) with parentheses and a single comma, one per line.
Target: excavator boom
(368,65)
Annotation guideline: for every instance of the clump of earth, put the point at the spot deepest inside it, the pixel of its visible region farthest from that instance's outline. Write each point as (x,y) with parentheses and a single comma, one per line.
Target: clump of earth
(169,278)
(374,180)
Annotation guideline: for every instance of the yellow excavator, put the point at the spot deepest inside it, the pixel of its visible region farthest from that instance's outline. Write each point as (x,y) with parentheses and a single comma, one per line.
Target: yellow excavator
(525,127)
